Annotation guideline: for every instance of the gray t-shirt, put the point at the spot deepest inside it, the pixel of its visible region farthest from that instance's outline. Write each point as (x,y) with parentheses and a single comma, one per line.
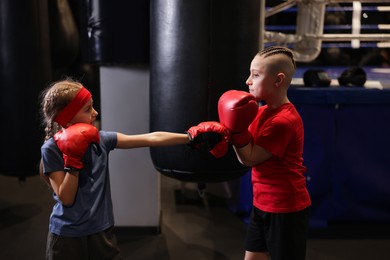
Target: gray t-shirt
(92,210)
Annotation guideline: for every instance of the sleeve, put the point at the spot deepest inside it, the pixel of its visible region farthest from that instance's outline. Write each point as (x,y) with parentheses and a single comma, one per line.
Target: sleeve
(276,136)
(109,140)
(51,157)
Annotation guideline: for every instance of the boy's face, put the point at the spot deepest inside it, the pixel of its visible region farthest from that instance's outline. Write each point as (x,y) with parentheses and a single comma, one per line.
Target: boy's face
(87,114)
(261,80)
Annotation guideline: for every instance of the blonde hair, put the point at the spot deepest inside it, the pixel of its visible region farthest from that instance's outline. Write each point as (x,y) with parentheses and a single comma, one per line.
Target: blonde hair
(54,99)
(273,50)
(280,63)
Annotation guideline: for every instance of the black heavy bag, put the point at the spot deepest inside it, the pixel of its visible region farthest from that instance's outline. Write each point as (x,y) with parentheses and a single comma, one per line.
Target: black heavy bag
(199,50)
(115,32)
(24,71)
(64,36)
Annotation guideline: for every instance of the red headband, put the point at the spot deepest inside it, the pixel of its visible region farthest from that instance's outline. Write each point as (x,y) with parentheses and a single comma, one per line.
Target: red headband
(77,103)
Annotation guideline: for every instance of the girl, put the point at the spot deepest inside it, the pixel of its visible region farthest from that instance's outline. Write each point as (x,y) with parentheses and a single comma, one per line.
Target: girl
(75,164)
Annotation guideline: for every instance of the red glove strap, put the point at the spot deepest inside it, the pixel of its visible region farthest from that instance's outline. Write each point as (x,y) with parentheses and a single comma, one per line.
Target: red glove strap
(240,139)
(220,149)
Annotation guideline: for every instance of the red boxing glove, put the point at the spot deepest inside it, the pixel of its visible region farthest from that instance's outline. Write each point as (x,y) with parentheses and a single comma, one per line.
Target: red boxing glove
(74,141)
(212,134)
(236,110)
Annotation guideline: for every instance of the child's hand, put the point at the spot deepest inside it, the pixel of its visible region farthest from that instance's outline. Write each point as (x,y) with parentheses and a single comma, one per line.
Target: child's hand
(236,110)
(74,142)
(212,134)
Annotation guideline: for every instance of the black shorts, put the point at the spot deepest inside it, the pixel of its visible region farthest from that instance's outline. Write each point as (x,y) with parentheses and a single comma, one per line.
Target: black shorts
(282,235)
(102,245)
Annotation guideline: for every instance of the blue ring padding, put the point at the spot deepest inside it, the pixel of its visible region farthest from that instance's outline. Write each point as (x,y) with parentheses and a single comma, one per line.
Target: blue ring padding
(339,95)
(342,45)
(335,9)
(326,27)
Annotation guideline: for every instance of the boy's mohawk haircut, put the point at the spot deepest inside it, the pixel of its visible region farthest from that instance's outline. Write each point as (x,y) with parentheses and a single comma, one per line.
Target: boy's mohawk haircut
(270,51)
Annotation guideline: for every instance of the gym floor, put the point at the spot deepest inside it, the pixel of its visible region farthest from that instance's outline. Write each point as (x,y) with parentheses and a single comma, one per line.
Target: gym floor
(198,229)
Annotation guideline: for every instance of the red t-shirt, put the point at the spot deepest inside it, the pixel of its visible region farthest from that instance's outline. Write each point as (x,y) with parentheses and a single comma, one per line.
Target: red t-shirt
(279,185)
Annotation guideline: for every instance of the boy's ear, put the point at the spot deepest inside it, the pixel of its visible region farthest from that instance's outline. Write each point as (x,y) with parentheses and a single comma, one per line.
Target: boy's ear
(280,78)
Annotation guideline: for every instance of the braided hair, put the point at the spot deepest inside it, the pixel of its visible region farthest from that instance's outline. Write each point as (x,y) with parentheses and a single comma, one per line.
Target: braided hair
(54,99)
(273,50)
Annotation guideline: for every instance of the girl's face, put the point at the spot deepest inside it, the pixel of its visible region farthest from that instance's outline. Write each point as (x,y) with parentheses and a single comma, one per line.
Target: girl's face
(87,114)
(260,81)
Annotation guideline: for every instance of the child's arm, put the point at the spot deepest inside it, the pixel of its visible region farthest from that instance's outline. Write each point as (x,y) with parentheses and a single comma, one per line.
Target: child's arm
(151,139)
(65,185)
(252,154)
(212,134)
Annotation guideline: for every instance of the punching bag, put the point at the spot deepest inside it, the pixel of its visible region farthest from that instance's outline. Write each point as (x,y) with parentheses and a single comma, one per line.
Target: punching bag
(64,36)
(66,46)
(115,32)
(199,49)
(24,72)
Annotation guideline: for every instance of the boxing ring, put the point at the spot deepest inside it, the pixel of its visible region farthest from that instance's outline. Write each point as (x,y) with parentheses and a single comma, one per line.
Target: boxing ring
(309,33)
